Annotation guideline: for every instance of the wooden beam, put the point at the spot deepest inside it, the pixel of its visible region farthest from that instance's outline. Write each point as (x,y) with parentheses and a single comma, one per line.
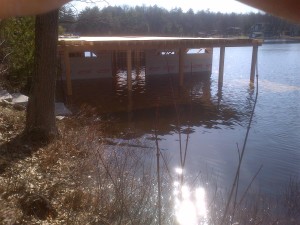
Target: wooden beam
(253,62)
(129,70)
(181,66)
(68,72)
(99,44)
(221,66)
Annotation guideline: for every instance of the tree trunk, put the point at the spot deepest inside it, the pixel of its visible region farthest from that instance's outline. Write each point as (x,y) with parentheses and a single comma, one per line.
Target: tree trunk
(40,119)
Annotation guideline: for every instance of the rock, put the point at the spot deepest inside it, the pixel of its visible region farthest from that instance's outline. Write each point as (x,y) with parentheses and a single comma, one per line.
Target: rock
(62,110)
(4,95)
(60,117)
(20,101)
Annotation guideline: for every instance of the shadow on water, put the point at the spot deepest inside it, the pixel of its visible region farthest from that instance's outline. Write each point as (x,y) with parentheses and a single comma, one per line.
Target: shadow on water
(134,113)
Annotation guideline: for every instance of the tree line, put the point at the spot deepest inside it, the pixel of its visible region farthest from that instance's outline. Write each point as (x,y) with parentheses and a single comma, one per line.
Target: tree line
(153,20)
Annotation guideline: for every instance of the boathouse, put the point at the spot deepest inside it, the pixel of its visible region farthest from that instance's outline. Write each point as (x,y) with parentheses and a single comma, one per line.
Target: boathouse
(95,57)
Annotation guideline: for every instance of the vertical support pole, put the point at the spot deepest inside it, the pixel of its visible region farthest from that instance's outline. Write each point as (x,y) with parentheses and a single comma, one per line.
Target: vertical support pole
(117,58)
(114,63)
(68,71)
(114,69)
(253,62)
(137,62)
(221,66)
(129,70)
(181,66)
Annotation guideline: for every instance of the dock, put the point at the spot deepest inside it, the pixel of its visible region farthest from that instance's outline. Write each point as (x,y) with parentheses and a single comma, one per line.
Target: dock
(175,49)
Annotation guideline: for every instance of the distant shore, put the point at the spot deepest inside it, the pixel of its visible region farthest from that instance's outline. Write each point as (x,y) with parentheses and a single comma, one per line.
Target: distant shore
(281,40)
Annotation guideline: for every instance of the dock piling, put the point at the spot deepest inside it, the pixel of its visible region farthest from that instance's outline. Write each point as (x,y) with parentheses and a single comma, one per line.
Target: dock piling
(221,66)
(253,63)
(129,70)
(137,62)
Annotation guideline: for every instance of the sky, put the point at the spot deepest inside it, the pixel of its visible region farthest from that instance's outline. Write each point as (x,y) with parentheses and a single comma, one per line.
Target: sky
(223,6)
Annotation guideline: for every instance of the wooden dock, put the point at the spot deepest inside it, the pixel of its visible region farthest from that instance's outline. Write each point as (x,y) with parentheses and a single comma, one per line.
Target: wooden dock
(133,45)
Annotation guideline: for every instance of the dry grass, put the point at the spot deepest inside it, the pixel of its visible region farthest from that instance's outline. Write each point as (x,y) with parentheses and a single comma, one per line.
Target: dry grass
(76,179)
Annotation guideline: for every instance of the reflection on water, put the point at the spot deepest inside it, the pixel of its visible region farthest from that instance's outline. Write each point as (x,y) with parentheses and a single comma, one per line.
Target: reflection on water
(136,111)
(216,120)
(189,205)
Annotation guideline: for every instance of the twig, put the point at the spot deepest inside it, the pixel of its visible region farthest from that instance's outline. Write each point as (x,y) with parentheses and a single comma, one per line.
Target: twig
(157,166)
(249,185)
(166,165)
(179,131)
(237,186)
(188,132)
(119,196)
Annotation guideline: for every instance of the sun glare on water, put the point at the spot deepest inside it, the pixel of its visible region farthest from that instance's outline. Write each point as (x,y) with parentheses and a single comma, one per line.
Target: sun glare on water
(190,205)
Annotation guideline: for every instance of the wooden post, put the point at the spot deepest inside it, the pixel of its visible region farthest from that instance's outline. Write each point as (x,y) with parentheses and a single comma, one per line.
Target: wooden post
(221,66)
(114,63)
(253,62)
(129,70)
(181,66)
(137,62)
(68,72)
(117,59)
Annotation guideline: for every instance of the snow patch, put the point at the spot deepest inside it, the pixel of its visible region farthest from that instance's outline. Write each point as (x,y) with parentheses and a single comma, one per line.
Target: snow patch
(18,98)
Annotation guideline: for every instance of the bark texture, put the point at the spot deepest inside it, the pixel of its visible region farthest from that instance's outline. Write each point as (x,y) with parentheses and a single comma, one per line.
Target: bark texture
(40,119)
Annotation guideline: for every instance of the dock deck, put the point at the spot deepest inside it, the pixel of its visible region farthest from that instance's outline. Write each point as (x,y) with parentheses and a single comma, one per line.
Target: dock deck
(125,43)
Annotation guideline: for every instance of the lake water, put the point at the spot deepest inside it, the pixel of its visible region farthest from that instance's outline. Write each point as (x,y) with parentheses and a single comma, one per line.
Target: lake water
(215,120)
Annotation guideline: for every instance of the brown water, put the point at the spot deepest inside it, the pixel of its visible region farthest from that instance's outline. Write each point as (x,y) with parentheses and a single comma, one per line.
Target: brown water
(216,120)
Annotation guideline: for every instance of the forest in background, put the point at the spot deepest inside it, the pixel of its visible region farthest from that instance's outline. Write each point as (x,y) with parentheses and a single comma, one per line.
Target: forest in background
(153,20)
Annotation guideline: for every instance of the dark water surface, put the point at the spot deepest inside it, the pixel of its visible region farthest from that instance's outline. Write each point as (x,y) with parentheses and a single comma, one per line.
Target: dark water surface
(216,121)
